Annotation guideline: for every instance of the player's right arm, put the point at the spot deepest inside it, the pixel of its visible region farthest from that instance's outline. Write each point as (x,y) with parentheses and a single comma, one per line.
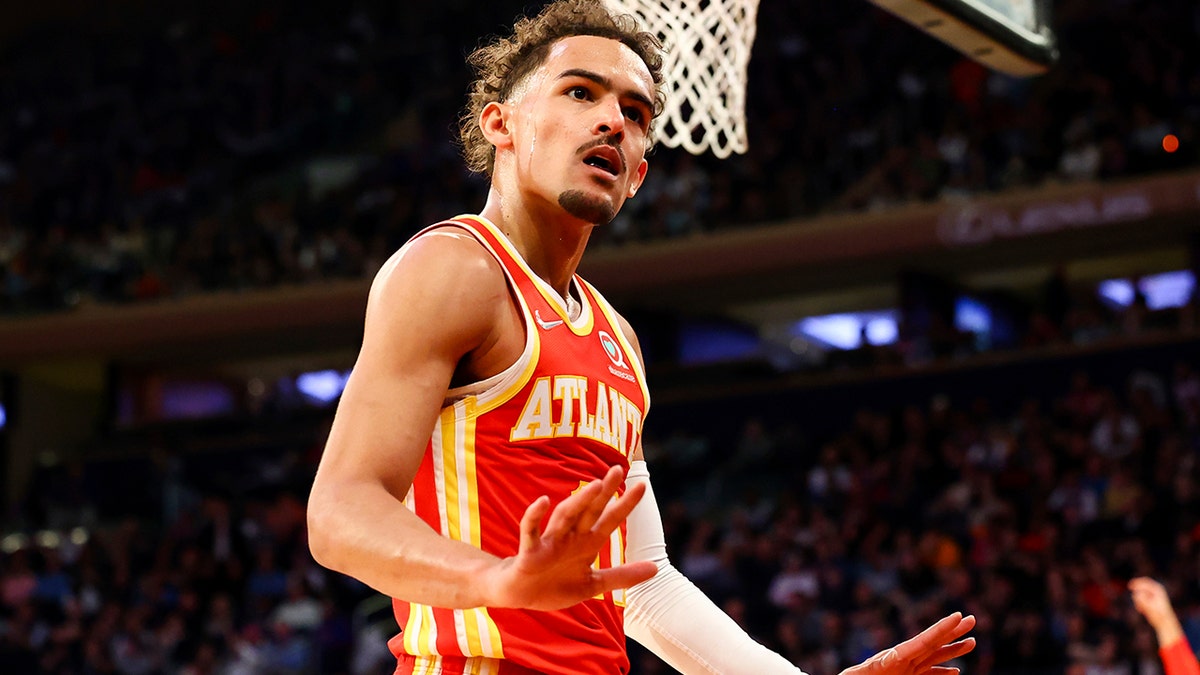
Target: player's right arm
(440,301)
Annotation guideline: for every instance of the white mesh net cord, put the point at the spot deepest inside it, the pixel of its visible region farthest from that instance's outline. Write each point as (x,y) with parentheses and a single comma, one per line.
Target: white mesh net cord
(708,50)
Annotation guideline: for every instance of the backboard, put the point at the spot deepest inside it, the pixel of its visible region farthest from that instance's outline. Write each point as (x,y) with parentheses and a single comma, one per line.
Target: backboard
(1012,36)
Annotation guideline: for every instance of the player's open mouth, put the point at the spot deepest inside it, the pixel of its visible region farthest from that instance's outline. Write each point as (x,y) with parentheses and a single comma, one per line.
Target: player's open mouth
(604,158)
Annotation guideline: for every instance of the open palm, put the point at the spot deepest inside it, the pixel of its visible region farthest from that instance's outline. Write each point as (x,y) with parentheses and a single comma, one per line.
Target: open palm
(553,567)
(924,653)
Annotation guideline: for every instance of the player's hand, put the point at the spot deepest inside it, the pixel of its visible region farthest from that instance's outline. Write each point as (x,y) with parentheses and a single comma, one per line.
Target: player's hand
(553,568)
(924,653)
(1150,598)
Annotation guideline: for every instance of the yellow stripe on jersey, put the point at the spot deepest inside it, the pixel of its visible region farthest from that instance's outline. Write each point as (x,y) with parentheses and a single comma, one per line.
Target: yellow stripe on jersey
(433,665)
(412,628)
(462,504)
(476,632)
(467,632)
(468,464)
(437,444)
(482,633)
(430,630)
(420,631)
(494,646)
(449,485)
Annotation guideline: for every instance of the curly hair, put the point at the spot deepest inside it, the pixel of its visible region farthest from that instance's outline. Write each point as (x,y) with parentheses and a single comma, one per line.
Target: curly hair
(501,65)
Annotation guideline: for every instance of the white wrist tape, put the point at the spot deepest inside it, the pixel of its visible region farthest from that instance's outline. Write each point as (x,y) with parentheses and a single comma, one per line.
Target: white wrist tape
(668,615)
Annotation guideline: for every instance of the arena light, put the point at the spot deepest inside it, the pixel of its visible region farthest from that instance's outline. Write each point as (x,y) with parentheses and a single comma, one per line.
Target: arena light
(1169,289)
(1163,290)
(14,542)
(48,539)
(972,316)
(1118,292)
(845,330)
(882,330)
(322,386)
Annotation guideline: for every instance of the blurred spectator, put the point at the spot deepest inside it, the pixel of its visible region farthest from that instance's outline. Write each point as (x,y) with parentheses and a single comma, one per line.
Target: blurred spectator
(249,149)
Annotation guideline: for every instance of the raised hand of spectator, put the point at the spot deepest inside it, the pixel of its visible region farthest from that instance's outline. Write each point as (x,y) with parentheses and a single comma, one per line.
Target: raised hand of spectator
(1150,599)
(924,653)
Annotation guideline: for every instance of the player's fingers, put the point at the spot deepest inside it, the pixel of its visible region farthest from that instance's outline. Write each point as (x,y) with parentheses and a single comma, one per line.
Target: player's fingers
(617,510)
(566,513)
(931,638)
(946,630)
(593,508)
(531,521)
(964,626)
(943,670)
(947,653)
(624,576)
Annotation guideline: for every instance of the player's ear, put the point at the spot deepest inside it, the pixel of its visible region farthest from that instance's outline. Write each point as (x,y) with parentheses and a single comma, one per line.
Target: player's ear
(494,121)
(639,176)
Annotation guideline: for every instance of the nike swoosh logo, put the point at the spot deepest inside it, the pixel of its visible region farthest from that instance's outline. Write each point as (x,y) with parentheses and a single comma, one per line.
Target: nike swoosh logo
(546,325)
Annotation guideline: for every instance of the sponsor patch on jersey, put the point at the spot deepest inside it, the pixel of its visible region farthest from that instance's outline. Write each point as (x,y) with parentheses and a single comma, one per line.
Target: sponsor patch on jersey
(613,350)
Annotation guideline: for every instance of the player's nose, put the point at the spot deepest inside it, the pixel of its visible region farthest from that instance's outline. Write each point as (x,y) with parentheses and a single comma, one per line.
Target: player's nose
(609,119)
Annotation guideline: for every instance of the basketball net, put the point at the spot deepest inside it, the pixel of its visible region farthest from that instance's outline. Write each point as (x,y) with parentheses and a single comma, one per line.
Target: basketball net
(708,48)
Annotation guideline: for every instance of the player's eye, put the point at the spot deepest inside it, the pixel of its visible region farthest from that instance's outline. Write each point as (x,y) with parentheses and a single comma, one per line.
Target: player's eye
(634,114)
(579,93)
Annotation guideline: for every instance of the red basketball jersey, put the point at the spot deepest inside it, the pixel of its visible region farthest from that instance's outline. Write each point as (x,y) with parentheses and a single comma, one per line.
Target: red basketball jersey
(570,408)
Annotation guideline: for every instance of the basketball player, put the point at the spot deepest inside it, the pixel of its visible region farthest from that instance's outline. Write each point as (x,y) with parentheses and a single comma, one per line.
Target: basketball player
(497,404)
(1150,599)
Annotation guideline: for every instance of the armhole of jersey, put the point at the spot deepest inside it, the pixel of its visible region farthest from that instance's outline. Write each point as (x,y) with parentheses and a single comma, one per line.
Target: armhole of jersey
(494,390)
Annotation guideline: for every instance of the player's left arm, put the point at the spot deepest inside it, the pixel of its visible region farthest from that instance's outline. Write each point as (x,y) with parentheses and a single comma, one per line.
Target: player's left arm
(667,614)
(673,618)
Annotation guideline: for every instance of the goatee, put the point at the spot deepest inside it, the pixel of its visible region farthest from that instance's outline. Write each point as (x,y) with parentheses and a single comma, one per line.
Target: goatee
(595,210)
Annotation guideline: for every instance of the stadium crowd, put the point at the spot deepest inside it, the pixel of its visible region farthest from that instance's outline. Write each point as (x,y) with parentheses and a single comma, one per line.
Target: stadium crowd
(231,149)
(829,525)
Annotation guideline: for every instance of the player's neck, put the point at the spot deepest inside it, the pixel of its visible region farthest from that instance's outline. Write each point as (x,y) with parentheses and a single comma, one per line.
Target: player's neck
(550,241)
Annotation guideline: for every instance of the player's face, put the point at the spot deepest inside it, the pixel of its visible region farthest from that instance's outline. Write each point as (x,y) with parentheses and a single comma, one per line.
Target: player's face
(581,127)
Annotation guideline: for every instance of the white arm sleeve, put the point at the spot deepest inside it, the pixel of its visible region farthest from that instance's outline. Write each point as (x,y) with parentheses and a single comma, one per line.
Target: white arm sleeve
(668,615)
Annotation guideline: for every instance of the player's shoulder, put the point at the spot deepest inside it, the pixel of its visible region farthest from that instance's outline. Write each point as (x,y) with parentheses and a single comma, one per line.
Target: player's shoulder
(443,257)
(446,246)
